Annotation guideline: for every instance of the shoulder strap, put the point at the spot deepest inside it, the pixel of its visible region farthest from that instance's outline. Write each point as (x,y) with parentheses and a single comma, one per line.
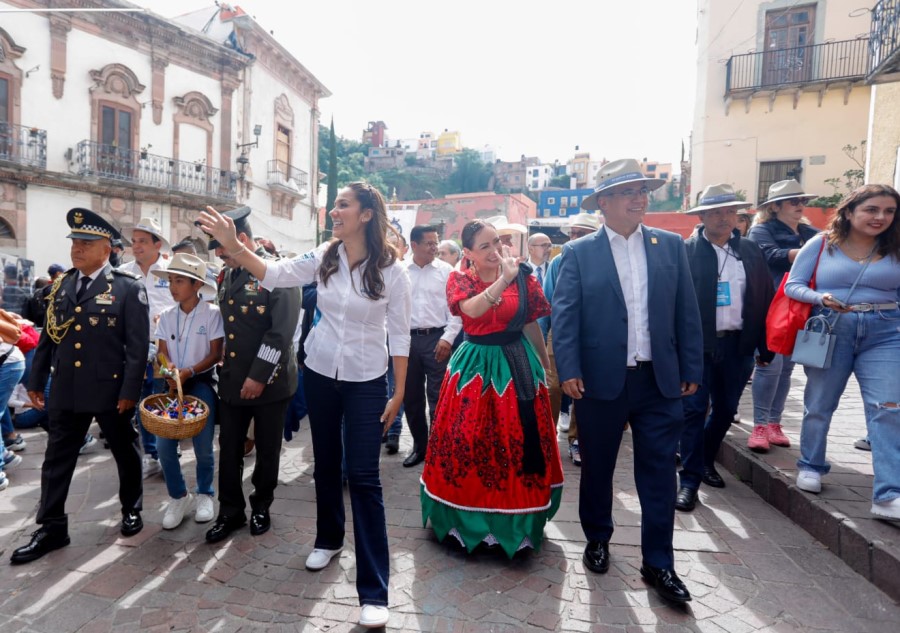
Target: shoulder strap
(812,280)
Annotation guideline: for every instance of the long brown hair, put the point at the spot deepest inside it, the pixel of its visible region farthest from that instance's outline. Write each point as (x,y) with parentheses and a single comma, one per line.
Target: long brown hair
(888,242)
(379,253)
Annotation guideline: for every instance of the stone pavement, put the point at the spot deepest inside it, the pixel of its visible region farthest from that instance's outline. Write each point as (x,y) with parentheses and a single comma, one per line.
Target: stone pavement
(748,567)
(839,516)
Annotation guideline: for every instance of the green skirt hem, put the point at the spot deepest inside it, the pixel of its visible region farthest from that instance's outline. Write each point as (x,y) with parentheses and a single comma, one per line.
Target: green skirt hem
(474,526)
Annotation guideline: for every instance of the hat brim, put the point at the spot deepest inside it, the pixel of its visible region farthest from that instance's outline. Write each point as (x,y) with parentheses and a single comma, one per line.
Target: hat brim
(78,235)
(128,234)
(512,229)
(591,204)
(566,230)
(708,207)
(206,288)
(805,196)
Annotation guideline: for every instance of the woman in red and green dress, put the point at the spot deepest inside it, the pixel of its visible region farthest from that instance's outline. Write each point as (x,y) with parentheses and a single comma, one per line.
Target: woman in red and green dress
(492,471)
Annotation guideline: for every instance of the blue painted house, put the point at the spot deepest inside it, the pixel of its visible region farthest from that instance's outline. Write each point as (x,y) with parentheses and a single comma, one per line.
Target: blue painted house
(561,203)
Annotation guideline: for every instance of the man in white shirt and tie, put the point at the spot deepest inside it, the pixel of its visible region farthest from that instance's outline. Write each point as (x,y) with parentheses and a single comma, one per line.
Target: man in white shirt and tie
(539,256)
(433,330)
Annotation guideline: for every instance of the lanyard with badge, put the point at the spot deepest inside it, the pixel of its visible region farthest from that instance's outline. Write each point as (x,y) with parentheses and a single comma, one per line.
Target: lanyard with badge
(723,288)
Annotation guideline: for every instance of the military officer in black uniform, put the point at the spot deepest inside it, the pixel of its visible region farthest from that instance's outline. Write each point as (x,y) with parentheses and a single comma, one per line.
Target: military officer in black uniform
(257,381)
(95,343)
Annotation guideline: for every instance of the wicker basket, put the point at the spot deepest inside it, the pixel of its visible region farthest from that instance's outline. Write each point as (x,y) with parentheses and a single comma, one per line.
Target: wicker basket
(164,426)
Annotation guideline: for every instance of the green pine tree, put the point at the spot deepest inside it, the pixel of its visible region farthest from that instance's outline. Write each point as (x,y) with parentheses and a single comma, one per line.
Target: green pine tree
(332,182)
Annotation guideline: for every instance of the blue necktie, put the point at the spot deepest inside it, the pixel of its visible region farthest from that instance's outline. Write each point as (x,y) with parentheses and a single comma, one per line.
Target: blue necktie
(540,275)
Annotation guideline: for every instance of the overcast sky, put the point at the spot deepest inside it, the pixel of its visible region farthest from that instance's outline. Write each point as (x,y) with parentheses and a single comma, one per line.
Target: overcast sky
(534,78)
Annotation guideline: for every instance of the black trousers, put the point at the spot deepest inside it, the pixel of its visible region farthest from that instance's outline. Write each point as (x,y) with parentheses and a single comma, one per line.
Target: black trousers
(424,376)
(66,430)
(656,423)
(268,430)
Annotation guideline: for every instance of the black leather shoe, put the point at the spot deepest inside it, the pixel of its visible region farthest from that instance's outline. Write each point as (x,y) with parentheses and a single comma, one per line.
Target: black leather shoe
(686,499)
(392,444)
(596,557)
(259,522)
(713,478)
(667,583)
(42,542)
(223,527)
(131,523)
(415,458)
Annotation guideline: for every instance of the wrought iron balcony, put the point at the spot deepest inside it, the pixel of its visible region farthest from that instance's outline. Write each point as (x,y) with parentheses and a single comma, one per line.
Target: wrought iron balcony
(287,177)
(846,61)
(23,145)
(138,167)
(884,38)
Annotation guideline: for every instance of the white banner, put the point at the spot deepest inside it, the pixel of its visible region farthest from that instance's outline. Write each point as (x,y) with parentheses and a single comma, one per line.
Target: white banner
(403,218)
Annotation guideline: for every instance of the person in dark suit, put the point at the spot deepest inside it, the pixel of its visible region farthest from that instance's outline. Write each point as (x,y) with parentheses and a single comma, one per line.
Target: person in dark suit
(628,347)
(734,290)
(95,341)
(256,382)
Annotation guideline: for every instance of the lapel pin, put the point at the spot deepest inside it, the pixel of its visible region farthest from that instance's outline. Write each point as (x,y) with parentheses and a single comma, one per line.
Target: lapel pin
(653,240)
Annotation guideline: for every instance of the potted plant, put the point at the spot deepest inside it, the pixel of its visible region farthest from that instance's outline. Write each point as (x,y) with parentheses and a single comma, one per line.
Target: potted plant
(144,151)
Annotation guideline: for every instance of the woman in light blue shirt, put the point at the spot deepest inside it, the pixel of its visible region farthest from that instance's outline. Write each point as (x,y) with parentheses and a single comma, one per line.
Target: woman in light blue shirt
(864,235)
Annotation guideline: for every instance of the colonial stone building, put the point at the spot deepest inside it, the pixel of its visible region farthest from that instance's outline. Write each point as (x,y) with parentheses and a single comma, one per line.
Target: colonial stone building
(132,115)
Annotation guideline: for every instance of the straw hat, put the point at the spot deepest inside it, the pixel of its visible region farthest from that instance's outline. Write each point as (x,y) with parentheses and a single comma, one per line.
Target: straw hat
(590,221)
(717,197)
(189,266)
(619,172)
(785,190)
(505,227)
(148,225)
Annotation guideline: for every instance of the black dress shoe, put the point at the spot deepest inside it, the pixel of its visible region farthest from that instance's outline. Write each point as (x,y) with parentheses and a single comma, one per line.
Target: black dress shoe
(415,458)
(686,499)
(596,557)
(42,542)
(667,583)
(259,522)
(131,523)
(223,527)
(712,478)
(392,444)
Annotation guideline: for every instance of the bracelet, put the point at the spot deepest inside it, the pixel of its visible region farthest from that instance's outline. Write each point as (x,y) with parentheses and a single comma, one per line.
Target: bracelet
(238,251)
(489,297)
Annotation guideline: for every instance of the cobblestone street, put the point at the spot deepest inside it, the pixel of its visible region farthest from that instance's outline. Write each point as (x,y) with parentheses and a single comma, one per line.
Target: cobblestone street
(748,566)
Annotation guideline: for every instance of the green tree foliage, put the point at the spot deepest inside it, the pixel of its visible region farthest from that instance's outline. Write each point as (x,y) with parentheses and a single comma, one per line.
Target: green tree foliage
(331,180)
(470,173)
(852,178)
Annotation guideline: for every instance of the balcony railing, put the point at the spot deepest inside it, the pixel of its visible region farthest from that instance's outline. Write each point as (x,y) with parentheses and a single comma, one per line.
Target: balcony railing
(284,175)
(847,60)
(884,39)
(23,145)
(142,168)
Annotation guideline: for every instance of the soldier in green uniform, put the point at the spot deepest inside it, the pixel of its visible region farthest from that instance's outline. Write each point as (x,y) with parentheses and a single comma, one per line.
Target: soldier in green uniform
(95,342)
(256,382)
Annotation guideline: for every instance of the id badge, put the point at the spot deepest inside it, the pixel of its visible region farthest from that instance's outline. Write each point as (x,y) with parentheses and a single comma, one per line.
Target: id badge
(723,294)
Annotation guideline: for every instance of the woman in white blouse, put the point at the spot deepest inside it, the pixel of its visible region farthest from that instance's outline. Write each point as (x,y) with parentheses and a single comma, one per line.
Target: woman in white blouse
(364,299)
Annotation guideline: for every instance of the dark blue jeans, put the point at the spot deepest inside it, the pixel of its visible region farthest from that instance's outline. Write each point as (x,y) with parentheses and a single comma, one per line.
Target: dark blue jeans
(708,413)
(359,406)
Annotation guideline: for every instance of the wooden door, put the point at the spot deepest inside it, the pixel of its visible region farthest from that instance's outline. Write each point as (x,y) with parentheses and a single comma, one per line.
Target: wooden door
(788,56)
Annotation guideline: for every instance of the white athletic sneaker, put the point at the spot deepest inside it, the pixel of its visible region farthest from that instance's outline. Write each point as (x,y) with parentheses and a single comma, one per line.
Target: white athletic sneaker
(373,617)
(889,510)
(206,509)
(89,446)
(319,558)
(564,422)
(810,481)
(175,512)
(151,467)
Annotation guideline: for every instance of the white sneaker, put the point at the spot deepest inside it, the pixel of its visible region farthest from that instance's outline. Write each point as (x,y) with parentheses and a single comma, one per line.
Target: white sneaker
(564,421)
(810,481)
(863,444)
(889,510)
(373,617)
(11,460)
(4,480)
(89,446)
(151,467)
(206,509)
(175,512)
(319,559)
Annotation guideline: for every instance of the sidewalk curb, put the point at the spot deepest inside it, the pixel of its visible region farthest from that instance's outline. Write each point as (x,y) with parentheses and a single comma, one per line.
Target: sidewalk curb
(870,558)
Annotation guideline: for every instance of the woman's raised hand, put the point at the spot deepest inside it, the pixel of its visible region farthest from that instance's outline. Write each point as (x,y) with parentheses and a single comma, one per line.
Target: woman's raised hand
(220,227)
(509,265)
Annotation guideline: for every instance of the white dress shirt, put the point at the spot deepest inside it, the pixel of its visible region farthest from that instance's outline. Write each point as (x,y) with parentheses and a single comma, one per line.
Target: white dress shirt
(534,270)
(428,285)
(157,289)
(188,337)
(730,270)
(631,265)
(348,340)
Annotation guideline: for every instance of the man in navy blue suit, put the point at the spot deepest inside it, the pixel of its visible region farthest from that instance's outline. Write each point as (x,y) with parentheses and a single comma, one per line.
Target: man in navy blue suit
(628,346)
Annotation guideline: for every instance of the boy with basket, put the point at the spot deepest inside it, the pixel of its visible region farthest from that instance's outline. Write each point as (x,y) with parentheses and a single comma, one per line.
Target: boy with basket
(191,336)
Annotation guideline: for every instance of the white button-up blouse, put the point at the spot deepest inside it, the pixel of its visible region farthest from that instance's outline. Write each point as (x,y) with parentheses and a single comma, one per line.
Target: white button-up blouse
(348,339)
